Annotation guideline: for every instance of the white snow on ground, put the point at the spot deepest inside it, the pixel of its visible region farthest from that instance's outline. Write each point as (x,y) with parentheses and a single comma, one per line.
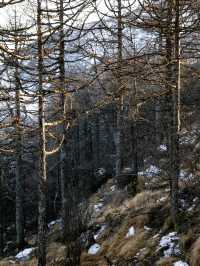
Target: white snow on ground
(100,231)
(170,244)
(98,207)
(94,249)
(162,199)
(131,232)
(180,263)
(191,208)
(162,147)
(150,172)
(52,223)
(127,170)
(195,199)
(113,188)
(183,203)
(185,175)
(147,228)
(24,254)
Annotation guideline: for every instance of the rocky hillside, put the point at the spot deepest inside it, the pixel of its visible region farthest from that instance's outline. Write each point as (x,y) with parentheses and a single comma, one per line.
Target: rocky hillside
(135,230)
(130,230)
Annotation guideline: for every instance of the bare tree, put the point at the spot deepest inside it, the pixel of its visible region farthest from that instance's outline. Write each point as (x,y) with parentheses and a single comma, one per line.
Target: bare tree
(42,144)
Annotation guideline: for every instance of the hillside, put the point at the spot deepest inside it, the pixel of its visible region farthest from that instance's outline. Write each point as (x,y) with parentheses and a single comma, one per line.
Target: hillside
(133,230)
(129,231)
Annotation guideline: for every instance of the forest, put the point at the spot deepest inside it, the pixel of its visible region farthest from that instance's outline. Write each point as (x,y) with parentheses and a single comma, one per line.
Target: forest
(100,132)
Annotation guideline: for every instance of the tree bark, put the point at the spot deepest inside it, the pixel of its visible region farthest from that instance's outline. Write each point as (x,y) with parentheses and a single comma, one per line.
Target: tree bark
(63,110)
(175,123)
(117,133)
(1,214)
(173,86)
(18,170)
(42,186)
(134,134)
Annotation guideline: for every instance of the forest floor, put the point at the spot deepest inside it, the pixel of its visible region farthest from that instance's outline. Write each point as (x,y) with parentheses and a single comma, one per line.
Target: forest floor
(130,231)
(136,230)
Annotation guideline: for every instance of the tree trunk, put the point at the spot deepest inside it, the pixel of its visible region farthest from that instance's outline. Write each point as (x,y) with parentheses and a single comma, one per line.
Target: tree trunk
(134,131)
(1,214)
(175,123)
(18,171)
(117,133)
(42,190)
(77,144)
(63,109)
(97,140)
(173,140)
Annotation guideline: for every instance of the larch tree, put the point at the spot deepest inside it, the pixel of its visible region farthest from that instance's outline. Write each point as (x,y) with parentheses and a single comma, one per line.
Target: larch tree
(19,143)
(42,171)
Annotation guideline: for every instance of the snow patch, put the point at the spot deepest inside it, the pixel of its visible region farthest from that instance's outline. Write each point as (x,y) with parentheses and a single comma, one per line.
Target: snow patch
(98,207)
(180,263)
(127,170)
(162,147)
(170,245)
(131,232)
(93,250)
(52,223)
(147,228)
(195,199)
(113,188)
(191,208)
(24,254)
(185,175)
(183,203)
(151,171)
(163,199)
(100,231)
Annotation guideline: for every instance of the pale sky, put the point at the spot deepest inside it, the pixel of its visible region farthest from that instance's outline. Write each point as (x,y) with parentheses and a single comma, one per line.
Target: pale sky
(24,10)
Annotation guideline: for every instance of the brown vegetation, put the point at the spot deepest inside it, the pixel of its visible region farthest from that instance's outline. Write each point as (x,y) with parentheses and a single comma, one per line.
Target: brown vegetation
(195,253)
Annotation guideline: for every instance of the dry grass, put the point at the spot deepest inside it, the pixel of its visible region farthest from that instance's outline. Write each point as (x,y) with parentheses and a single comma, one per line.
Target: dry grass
(7,262)
(195,253)
(33,262)
(56,254)
(10,262)
(55,257)
(120,246)
(187,239)
(130,247)
(166,261)
(116,245)
(139,221)
(116,248)
(144,200)
(55,234)
(91,260)
(141,184)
